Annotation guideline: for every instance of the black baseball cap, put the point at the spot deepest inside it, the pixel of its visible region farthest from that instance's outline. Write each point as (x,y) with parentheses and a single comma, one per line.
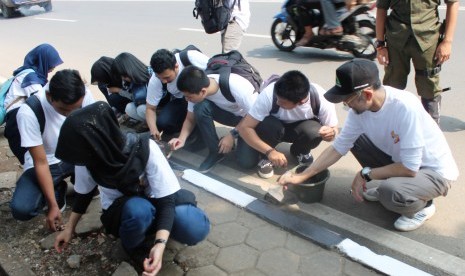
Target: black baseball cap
(352,76)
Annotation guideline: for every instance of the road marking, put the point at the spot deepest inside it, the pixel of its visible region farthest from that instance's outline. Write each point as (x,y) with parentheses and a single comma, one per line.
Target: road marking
(55,19)
(202,31)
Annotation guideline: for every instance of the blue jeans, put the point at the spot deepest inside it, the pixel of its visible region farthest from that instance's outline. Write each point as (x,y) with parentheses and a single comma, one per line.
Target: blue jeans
(28,199)
(172,115)
(206,112)
(304,136)
(190,226)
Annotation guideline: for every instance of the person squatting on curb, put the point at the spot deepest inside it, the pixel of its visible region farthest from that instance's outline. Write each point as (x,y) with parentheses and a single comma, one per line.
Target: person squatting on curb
(394,139)
(42,182)
(140,195)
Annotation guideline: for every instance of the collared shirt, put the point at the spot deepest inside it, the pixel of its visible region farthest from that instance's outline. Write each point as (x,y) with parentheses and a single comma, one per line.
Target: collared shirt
(419,18)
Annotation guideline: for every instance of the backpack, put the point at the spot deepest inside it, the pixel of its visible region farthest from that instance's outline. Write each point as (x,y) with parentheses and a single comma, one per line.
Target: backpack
(214,14)
(233,62)
(4,90)
(14,136)
(314,96)
(184,60)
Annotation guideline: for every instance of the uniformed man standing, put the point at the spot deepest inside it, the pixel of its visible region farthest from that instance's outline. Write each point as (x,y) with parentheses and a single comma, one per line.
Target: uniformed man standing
(413,31)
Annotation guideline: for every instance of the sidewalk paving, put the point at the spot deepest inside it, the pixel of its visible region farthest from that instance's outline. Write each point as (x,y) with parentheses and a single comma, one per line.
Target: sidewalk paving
(239,243)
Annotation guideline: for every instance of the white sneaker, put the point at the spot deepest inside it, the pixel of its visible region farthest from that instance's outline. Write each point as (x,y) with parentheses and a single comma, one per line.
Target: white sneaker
(409,224)
(371,194)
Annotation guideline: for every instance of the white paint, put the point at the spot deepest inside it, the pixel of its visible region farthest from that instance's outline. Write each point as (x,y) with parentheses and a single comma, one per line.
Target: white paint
(218,188)
(55,19)
(381,263)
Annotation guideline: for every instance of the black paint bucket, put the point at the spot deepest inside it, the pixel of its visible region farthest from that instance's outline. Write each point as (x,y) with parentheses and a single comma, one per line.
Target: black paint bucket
(312,189)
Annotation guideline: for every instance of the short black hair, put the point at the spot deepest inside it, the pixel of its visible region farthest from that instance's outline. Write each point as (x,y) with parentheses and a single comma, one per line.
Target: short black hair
(192,80)
(67,86)
(293,86)
(162,60)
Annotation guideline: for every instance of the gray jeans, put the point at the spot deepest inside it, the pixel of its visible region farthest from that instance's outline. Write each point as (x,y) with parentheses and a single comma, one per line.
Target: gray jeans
(231,38)
(403,195)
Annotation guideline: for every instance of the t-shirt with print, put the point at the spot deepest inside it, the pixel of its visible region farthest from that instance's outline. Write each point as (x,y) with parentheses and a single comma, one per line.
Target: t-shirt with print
(158,174)
(241,90)
(404,130)
(155,87)
(17,91)
(29,128)
(264,104)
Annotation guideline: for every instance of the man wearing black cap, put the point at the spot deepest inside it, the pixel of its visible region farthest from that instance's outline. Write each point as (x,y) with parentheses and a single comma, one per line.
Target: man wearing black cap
(395,141)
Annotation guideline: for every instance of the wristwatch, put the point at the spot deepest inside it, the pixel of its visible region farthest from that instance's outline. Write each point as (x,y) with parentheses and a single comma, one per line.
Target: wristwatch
(365,173)
(234,133)
(163,241)
(380,44)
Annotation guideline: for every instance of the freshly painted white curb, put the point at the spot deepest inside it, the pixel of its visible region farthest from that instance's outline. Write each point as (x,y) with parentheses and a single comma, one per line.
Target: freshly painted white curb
(380,263)
(218,188)
(347,247)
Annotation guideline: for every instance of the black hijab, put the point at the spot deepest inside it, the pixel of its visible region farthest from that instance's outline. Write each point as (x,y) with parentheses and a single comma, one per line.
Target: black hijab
(101,73)
(91,137)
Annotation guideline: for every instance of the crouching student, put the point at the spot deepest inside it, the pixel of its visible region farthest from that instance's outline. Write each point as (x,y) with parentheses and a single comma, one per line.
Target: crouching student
(140,195)
(42,181)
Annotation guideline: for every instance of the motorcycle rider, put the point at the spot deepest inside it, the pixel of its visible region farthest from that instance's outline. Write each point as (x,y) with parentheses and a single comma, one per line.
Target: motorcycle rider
(332,27)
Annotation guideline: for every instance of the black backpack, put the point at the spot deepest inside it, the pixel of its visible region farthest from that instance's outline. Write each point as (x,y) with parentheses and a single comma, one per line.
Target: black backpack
(233,62)
(314,96)
(214,14)
(15,137)
(184,60)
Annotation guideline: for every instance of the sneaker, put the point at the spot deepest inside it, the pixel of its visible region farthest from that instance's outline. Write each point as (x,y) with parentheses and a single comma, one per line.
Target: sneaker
(409,224)
(371,194)
(123,119)
(210,162)
(61,195)
(305,159)
(265,168)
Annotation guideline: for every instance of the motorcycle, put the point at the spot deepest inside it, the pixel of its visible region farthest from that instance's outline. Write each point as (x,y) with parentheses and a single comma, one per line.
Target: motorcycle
(357,38)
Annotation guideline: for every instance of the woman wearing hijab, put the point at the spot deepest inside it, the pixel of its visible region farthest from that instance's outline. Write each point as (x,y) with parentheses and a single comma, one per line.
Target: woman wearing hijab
(29,79)
(135,76)
(141,198)
(109,84)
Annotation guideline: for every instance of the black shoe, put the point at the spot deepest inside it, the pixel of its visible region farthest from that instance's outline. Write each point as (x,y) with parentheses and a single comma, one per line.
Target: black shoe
(210,162)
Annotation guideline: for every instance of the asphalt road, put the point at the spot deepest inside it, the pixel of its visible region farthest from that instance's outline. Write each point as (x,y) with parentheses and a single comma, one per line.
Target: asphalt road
(82,31)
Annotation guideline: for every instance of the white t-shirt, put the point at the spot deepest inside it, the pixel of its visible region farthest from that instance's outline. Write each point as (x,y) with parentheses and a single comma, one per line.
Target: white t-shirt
(29,127)
(405,131)
(264,104)
(241,90)
(160,178)
(17,91)
(242,14)
(155,86)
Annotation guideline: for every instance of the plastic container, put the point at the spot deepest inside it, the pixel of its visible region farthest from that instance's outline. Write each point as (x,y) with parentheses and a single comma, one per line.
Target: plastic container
(312,189)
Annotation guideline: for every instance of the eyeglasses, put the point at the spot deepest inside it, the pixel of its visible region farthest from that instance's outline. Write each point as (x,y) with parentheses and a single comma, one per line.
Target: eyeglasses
(352,98)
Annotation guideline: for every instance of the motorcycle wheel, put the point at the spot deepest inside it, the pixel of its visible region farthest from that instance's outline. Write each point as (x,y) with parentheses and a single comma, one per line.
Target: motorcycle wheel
(366,27)
(283,35)
(368,51)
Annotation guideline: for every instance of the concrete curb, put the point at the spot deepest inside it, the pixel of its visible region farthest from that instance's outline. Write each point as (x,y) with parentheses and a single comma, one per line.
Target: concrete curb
(417,254)
(307,229)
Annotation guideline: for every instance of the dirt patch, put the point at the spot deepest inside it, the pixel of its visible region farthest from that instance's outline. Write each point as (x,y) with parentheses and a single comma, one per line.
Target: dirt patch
(24,240)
